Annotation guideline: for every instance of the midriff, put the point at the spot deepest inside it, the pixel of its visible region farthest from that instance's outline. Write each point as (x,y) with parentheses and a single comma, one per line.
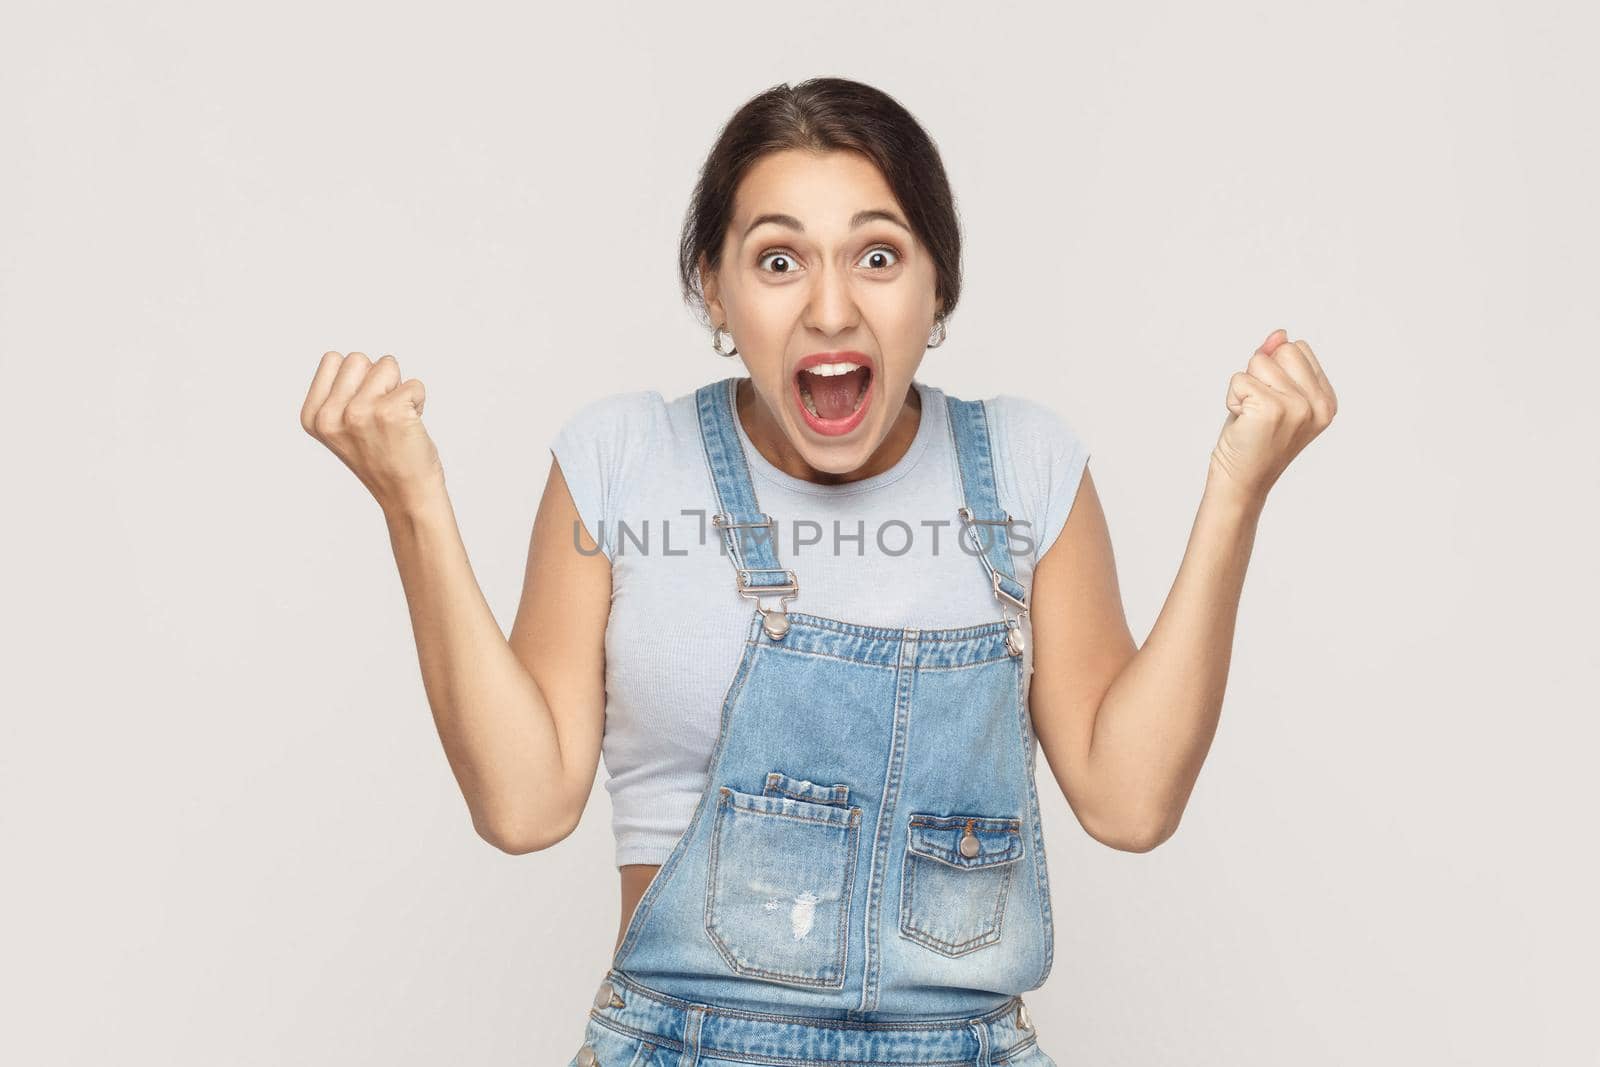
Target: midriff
(635,880)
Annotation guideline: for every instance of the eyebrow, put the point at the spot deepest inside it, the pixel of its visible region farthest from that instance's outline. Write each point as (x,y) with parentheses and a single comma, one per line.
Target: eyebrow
(860,218)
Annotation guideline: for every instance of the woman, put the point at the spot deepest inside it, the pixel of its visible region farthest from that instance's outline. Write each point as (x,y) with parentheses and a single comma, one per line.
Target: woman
(827,826)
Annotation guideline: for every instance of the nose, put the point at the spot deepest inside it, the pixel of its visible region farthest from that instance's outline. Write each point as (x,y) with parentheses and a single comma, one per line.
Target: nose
(832,309)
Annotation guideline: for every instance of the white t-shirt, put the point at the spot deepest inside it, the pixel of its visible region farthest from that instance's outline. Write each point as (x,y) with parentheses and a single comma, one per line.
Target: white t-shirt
(881,551)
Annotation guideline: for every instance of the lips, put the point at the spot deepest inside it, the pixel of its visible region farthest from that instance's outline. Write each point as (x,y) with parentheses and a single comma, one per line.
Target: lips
(831,399)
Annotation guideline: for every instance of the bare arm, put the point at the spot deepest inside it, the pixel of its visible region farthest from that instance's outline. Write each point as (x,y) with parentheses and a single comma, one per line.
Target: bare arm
(1126,729)
(520,718)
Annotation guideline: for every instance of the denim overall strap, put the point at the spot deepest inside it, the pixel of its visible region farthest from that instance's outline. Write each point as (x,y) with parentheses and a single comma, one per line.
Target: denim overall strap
(980,505)
(756,567)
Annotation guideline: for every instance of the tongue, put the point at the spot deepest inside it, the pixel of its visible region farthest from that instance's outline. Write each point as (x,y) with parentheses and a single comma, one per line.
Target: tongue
(835,396)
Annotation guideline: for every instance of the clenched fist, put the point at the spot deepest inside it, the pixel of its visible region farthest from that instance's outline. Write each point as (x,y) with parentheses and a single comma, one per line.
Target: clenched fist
(372,421)
(1277,405)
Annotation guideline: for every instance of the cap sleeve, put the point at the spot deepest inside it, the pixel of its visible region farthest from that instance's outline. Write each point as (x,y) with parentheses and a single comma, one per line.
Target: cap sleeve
(599,449)
(1043,458)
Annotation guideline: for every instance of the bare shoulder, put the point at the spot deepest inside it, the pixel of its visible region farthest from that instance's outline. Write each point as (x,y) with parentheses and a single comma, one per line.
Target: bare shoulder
(1076,602)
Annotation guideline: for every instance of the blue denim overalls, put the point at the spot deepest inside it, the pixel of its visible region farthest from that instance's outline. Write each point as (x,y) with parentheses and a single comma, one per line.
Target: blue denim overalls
(863,879)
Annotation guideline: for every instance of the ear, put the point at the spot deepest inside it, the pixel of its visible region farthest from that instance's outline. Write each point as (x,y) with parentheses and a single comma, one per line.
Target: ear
(709,289)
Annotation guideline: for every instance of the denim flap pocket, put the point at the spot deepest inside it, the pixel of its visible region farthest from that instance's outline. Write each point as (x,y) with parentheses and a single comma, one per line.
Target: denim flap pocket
(939,837)
(954,880)
(780,784)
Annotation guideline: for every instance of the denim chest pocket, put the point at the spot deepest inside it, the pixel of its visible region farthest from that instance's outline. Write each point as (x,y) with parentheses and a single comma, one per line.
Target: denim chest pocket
(954,879)
(780,872)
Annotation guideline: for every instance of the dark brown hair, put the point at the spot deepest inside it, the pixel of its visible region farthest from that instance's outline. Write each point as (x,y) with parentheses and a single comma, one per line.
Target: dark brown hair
(822,115)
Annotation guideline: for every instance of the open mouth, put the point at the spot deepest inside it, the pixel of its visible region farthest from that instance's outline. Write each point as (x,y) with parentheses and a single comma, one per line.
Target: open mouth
(832,395)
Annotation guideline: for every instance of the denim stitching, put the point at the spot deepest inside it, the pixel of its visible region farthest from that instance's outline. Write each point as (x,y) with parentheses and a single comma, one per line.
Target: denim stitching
(788,651)
(634,1032)
(836,815)
(900,726)
(788,785)
(945,1022)
(1003,532)
(990,935)
(852,830)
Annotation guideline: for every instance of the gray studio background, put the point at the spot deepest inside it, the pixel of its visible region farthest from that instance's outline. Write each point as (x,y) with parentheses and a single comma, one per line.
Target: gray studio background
(230,835)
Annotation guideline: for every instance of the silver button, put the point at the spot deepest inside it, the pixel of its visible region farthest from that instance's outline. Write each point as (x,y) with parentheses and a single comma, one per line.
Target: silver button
(969,844)
(587,1058)
(602,998)
(1022,1016)
(776,622)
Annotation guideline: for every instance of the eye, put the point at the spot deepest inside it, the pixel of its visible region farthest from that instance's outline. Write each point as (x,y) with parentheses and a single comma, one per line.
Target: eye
(780,256)
(880,251)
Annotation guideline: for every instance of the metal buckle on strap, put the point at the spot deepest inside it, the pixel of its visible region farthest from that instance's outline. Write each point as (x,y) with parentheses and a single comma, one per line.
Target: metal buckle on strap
(1014,643)
(966,513)
(775,621)
(790,585)
(1005,597)
(720,520)
(967,517)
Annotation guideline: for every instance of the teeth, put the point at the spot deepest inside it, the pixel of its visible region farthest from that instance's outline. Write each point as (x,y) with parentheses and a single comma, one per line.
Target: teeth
(828,370)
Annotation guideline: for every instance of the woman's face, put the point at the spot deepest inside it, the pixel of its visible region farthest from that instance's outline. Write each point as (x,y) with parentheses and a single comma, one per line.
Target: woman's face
(819,266)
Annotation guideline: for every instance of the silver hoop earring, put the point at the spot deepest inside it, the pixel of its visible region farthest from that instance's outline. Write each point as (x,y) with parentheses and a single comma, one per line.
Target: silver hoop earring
(940,331)
(716,342)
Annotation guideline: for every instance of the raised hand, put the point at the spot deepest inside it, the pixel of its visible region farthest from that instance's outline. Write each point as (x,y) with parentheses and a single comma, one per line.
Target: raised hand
(372,421)
(1277,405)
